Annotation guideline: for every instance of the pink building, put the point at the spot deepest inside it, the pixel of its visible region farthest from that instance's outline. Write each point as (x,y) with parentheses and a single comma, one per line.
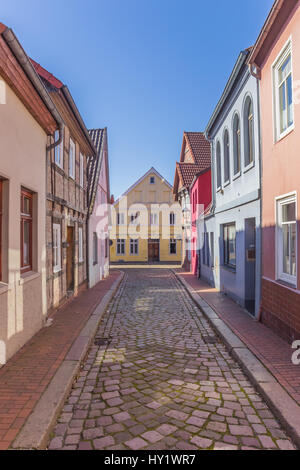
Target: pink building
(275,60)
(200,200)
(98,200)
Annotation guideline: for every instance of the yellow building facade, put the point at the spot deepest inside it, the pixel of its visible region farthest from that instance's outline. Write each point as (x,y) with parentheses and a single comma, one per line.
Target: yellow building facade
(146,223)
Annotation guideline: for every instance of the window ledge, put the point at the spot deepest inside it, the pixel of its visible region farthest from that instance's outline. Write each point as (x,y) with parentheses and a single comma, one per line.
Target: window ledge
(227,183)
(236,176)
(229,268)
(248,167)
(28,277)
(285,134)
(3,288)
(290,284)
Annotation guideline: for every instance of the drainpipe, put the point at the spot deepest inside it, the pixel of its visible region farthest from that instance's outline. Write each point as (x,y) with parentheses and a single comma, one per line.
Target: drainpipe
(255,71)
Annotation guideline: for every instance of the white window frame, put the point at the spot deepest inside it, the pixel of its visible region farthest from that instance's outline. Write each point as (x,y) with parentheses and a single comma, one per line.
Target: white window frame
(154,219)
(280,202)
(172,242)
(134,243)
(120,218)
(80,244)
(121,242)
(172,219)
(56,248)
(72,150)
(81,168)
(58,151)
(279,61)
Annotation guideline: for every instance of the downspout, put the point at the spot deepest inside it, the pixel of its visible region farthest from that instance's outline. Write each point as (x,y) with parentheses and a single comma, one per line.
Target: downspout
(255,71)
(88,261)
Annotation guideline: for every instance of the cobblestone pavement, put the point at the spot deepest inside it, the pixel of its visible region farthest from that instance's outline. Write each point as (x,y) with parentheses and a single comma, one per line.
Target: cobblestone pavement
(161,382)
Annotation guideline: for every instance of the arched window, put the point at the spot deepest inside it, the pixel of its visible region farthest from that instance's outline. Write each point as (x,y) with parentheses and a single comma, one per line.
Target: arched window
(218,162)
(249,131)
(237,144)
(226,157)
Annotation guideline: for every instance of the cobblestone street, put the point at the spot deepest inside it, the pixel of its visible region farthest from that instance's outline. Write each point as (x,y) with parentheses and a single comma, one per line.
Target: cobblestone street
(157,378)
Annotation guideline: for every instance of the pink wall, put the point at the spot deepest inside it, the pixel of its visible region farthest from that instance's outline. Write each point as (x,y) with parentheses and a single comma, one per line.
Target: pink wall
(281,160)
(202,190)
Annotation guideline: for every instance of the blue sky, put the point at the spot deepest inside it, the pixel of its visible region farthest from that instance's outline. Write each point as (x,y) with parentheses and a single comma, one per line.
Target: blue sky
(146,69)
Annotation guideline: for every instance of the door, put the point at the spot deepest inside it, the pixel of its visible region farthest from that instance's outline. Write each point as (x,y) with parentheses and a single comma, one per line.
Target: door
(70,258)
(153,251)
(250,265)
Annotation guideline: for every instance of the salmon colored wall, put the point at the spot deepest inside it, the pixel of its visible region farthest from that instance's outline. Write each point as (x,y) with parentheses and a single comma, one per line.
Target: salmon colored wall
(281,160)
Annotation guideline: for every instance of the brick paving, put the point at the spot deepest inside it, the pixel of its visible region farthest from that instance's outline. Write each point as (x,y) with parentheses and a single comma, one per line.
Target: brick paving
(158,383)
(271,350)
(25,377)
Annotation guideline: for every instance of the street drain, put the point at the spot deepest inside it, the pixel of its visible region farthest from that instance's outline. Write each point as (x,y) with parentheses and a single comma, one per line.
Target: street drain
(102,341)
(210,339)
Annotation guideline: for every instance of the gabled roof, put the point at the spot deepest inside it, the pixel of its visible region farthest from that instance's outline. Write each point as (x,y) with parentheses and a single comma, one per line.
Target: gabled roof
(17,70)
(150,172)
(66,105)
(200,151)
(277,18)
(199,147)
(99,138)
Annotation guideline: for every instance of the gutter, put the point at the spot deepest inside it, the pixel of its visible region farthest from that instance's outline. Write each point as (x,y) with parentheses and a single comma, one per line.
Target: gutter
(28,68)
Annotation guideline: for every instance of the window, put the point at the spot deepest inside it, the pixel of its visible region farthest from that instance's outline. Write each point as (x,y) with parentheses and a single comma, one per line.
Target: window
(120,218)
(72,159)
(212,250)
(134,247)
(237,144)
(80,241)
(56,248)
(95,248)
(1,209)
(283,91)
(81,170)
(173,247)
(218,162)
(205,252)
(120,247)
(172,218)
(58,151)
(134,218)
(249,131)
(154,219)
(26,230)
(287,239)
(229,245)
(152,180)
(226,157)
(106,246)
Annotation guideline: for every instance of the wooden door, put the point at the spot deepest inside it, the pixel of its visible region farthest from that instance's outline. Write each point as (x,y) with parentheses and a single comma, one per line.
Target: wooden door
(70,258)
(153,251)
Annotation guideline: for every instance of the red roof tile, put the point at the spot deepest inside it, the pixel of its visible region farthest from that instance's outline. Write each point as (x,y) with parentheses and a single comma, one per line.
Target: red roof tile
(188,172)
(200,148)
(46,75)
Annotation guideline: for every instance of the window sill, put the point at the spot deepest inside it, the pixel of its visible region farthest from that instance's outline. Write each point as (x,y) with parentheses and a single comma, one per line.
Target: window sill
(219,189)
(229,268)
(227,183)
(248,167)
(285,134)
(3,288)
(290,284)
(238,175)
(28,277)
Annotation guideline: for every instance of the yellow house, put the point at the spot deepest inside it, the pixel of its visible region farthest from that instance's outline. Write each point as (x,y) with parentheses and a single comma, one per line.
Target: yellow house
(146,223)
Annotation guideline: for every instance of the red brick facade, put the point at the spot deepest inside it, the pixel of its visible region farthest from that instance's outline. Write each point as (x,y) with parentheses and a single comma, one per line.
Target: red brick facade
(281,309)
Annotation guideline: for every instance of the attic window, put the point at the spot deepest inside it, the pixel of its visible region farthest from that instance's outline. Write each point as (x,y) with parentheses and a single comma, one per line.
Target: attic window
(152,180)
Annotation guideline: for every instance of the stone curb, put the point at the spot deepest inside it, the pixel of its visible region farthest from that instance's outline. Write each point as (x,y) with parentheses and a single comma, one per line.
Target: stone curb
(286,410)
(36,431)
